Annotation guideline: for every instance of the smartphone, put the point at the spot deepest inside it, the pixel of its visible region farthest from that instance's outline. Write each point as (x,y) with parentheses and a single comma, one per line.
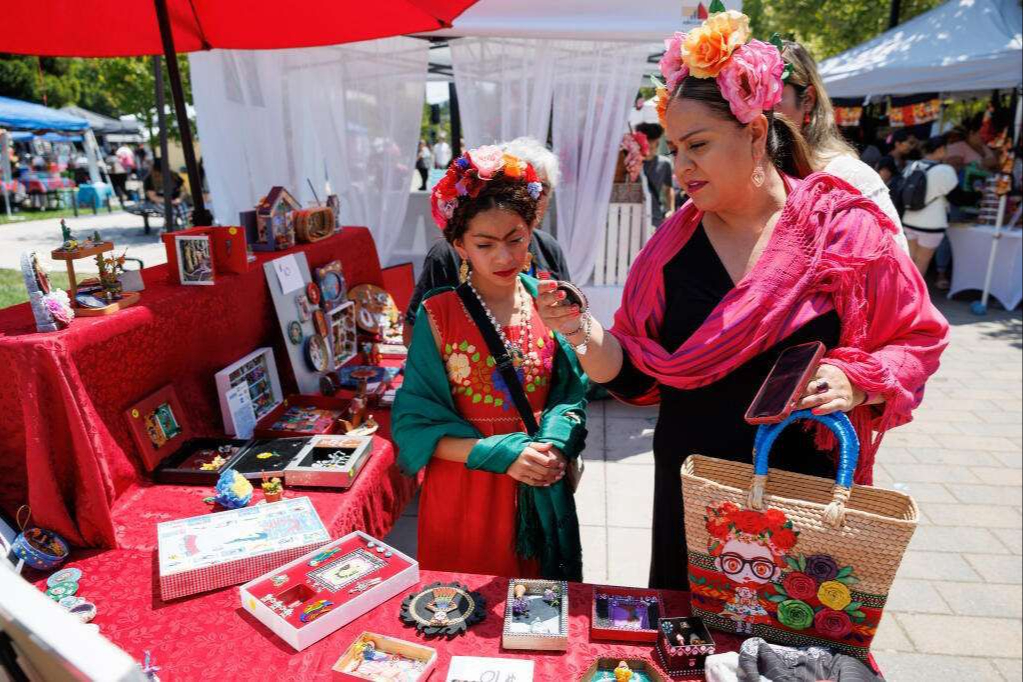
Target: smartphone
(785,383)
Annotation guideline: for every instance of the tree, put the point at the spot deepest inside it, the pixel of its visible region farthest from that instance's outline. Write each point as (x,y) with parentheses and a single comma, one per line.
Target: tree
(827,27)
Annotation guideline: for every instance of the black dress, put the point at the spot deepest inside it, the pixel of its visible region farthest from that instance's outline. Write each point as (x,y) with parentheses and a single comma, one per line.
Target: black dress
(709,420)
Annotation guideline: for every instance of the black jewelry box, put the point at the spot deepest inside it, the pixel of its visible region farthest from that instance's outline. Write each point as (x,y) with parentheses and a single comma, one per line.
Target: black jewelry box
(184,466)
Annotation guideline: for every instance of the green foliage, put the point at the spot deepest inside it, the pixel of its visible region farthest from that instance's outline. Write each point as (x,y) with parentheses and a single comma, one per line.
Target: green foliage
(12,285)
(827,27)
(113,87)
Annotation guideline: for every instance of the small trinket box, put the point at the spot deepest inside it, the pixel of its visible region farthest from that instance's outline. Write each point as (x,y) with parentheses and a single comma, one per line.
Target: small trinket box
(622,670)
(199,461)
(267,457)
(536,615)
(378,657)
(324,590)
(625,614)
(303,415)
(329,461)
(683,645)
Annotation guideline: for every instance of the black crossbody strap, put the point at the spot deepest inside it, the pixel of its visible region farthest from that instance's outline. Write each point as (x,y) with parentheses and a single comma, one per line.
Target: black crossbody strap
(501,355)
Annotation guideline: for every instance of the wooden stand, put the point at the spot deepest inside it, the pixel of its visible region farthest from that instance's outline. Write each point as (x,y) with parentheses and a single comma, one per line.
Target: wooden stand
(128,298)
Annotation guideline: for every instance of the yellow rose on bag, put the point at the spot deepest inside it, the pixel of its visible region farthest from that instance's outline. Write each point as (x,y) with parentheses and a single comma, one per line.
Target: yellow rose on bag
(834,595)
(707,48)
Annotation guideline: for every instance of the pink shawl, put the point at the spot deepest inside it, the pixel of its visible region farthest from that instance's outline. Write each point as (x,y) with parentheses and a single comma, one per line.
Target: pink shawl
(831,249)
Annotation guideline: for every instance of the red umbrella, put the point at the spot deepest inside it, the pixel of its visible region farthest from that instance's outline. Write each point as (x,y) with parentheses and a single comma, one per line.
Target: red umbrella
(127,28)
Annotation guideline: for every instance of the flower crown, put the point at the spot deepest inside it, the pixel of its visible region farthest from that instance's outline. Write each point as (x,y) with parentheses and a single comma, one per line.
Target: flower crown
(469,173)
(750,75)
(770,528)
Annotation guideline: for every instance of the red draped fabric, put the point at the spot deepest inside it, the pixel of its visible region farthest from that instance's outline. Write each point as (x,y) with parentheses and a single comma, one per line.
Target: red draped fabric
(210,637)
(66,448)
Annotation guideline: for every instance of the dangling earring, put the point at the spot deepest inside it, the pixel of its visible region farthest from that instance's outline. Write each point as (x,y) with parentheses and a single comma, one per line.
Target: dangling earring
(806,119)
(758,176)
(529,262)
(463,271)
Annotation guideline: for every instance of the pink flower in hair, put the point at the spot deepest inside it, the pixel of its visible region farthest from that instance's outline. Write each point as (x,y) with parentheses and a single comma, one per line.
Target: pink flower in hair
(672,68)
(488,160)
(751,80)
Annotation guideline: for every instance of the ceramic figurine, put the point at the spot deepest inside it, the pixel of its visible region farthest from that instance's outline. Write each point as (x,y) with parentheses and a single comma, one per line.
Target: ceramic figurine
(273,491)
(623,673)
(68,239)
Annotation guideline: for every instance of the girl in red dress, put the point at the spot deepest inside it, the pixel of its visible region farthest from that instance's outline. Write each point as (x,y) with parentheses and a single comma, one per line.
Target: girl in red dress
(494,500)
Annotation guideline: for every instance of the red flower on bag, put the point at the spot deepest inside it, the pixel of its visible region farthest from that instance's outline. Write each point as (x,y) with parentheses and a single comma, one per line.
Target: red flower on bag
(784,539)
(718,528)
(800,586)
(775,517)
(750,522)
(832,624)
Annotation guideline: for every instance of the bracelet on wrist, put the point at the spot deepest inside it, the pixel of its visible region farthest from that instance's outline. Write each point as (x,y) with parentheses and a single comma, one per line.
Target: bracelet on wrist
(585,325)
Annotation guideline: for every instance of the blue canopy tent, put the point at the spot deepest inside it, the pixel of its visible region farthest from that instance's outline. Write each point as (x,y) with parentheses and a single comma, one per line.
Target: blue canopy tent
(28,116)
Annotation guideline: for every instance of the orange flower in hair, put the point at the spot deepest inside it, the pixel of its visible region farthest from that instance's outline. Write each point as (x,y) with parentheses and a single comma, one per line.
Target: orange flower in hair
(662,105)
(706,49)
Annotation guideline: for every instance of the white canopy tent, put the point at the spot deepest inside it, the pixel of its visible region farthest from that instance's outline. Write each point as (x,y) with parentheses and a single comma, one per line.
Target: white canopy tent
(963,45)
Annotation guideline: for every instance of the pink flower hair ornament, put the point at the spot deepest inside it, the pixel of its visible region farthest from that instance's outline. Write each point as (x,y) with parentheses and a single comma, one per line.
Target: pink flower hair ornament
(468,175)
(750,75)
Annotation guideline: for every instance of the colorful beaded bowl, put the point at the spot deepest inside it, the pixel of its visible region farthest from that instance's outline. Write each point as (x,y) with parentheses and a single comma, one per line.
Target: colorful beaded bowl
(39,548)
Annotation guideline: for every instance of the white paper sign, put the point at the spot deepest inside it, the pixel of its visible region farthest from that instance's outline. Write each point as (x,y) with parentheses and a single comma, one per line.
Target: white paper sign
(496,669)
(288,274)
(242,414)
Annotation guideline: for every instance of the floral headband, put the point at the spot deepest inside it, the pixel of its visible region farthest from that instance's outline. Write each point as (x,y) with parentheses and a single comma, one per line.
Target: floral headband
(750,75)
(468,175)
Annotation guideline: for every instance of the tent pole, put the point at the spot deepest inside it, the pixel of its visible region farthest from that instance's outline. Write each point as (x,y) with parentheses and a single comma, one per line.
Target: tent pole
(980,307)
(5,171)
(200,216)
(165,174)
(456,122)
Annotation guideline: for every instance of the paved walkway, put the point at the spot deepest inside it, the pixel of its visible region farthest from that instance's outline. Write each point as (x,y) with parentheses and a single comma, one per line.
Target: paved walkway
(955,609)
(43,236)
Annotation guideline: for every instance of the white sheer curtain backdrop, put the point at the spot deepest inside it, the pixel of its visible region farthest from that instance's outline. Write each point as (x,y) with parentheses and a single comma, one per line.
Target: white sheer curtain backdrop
(348,115)
(504,88)
(593,88)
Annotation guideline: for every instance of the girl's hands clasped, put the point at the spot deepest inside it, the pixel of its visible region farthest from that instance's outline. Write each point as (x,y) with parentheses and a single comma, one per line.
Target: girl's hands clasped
(539,464)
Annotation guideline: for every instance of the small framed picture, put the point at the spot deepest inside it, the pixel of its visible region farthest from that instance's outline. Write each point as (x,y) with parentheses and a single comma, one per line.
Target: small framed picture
(195,259)
(536,615)
(157,425)
(343,332)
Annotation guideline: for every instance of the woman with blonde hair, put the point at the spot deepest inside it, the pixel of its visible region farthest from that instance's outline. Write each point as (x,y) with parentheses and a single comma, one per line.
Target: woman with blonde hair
(805,102)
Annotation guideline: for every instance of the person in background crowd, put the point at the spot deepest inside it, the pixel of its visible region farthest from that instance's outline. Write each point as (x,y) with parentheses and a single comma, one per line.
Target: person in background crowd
(805,102)
(424,162)
(971,148)
(440,268)
(441,151)
(887,169)
(765,255)
(926,227)
(494,499)
(657,171)
(903,143)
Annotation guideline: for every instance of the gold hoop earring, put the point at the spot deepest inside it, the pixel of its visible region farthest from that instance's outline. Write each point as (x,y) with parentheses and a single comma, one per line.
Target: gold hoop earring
(529,262)
(463,271)
(758,176)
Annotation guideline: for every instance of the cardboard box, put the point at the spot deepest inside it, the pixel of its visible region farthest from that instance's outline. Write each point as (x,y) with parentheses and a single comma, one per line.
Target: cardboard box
(683,660)
(329,462)
(625,614)
(424,655)
(328,588)
(225,548)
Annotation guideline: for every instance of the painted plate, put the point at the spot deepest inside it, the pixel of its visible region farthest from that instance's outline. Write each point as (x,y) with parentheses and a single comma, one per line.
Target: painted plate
(317,354)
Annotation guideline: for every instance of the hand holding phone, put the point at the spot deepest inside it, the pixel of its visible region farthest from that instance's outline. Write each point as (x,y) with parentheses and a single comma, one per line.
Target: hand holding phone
(785,383)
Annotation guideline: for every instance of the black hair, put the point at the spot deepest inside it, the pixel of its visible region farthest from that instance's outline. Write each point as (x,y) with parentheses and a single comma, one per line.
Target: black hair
(889,163)
(935,143)
(497,193)
(653,131)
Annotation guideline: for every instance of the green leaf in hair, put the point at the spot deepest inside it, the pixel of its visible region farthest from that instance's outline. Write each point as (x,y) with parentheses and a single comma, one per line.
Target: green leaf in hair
(716,6)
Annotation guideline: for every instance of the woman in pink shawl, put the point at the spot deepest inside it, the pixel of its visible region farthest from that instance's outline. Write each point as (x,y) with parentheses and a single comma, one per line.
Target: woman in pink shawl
(763,256)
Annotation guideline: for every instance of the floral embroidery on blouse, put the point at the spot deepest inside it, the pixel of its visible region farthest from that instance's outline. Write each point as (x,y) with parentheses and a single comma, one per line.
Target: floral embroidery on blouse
(474,374)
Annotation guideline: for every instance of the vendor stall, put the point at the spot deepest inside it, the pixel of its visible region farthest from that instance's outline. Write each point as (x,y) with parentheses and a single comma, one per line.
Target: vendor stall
(68,450)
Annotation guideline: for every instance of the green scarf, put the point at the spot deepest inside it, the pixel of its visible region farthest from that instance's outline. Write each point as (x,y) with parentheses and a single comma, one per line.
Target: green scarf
(424,412)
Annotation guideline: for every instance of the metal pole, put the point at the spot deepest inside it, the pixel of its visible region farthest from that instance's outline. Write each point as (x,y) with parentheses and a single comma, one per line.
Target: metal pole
(456,122)
(200,216)
(5,171)
(896,11)
(161,116)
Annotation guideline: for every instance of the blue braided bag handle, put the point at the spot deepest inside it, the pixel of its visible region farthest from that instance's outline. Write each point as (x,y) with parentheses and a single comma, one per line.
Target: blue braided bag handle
(848,455)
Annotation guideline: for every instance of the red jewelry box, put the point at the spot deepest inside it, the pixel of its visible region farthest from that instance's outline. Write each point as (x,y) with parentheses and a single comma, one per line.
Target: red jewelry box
(683,660)
(270,426)
(324,590)
(625,614)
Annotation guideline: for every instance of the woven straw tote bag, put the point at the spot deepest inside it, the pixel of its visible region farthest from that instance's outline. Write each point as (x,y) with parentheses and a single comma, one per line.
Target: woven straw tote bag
(794,559)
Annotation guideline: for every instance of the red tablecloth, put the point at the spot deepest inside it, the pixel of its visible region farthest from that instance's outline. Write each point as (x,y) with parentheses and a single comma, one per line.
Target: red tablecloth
(210,637)
(66,447)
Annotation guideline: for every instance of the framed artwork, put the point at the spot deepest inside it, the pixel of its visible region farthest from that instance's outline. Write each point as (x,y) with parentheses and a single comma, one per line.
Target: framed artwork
(343,333)
(625,614)
(255,378)
(157,426)
(331,279)
(317,354)
(536,615)
(195,259)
